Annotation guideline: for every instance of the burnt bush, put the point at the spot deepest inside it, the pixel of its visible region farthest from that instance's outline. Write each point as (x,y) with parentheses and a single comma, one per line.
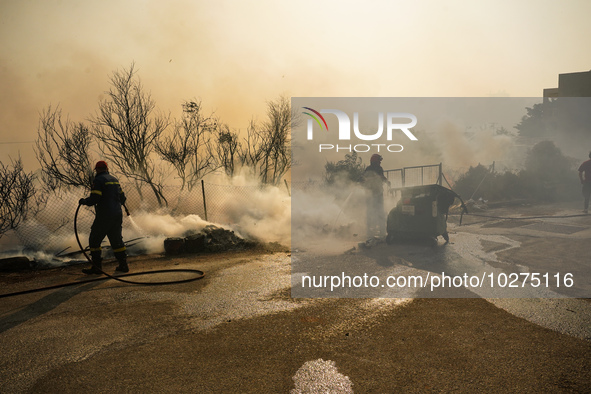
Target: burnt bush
(482,182)
(548,176)
(17,190)
(350,169)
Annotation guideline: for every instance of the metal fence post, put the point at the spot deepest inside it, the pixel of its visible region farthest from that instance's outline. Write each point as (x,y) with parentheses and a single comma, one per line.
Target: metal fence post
(403,173)
(204,204)
(422,175)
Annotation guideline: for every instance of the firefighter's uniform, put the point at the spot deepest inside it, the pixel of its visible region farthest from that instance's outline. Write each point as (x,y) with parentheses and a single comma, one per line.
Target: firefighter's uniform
(373,180)
(107,197)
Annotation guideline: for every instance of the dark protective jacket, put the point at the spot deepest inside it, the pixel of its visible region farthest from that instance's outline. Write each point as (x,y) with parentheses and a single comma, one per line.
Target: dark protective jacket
(373,178)
(107,195)
(585,168)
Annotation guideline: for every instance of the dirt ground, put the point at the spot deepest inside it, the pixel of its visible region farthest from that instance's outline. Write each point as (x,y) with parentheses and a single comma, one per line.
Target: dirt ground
(239,330)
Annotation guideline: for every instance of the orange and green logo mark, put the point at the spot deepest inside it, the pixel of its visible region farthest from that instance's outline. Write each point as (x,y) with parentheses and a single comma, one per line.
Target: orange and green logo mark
(316,117)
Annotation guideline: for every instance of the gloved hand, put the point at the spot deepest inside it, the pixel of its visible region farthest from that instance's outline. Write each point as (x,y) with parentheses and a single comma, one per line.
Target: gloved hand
(81,201)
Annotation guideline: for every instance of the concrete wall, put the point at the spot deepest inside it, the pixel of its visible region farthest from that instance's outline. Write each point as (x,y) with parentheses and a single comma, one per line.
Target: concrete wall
(571,85)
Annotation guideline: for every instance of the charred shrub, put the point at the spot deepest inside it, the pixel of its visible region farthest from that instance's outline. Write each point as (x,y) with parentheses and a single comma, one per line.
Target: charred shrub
(478,182)
(548,176)
(347,170)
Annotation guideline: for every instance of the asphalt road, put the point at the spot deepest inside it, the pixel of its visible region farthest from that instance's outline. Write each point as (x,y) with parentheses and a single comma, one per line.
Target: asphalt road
(239,329)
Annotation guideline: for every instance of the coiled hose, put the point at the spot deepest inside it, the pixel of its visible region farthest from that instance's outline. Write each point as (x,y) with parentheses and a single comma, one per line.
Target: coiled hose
(198,274)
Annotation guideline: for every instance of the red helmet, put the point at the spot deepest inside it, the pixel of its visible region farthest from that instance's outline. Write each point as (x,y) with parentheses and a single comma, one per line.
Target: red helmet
(101,165)
(375,158)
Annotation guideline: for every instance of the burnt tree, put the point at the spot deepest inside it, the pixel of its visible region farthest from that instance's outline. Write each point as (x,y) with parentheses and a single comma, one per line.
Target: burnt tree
(127,130)
(62,149)
(189,147)
(267,147)
(16,191)
(227,148)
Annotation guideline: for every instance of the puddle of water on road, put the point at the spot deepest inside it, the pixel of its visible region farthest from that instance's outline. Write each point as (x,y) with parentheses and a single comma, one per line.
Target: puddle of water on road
(540,306)
(239,292)
(250,290)
(469,257)
(470,246)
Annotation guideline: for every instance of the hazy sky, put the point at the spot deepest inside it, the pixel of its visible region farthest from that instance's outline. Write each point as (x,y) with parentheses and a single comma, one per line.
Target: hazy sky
(235,55)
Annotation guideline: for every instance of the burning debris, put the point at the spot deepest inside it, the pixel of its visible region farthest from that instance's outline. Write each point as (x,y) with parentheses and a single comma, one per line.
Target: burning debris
(478,205)
(15,264)
(28,259)
(211,239)
(344,230)
(368,244)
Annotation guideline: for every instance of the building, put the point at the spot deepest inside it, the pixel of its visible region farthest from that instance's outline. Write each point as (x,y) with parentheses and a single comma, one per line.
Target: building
(571,85)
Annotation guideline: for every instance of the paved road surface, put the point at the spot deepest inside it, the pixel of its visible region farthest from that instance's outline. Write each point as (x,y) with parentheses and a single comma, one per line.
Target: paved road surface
(239,330)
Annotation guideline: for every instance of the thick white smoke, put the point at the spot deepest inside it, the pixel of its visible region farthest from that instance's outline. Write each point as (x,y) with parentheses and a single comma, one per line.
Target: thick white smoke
(264,213)
(240,204)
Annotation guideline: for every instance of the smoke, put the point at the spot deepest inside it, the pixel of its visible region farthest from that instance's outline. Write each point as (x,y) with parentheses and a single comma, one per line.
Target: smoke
(152,228)
(62,53)
(458,133)
(146,223)
(257,211)
(240,204)
(459,148)
(329,219)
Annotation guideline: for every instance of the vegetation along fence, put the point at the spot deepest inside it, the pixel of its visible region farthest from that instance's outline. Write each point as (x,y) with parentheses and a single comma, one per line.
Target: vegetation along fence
(49,228)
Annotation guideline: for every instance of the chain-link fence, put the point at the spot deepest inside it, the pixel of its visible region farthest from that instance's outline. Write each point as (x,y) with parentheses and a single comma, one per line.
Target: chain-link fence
(257,211)
(48,231)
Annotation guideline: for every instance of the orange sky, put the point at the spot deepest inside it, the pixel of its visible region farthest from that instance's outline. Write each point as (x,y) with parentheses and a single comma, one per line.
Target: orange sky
(235,55)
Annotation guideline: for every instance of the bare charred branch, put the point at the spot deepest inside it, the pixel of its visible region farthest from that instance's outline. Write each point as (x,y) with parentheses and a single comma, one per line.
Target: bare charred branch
(62,149)
(267,147)
(227,149)
(128,130)
(189,147)
(16,190)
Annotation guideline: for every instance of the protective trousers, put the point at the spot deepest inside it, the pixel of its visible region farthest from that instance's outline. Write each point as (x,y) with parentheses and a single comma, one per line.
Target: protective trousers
(586,194)
(109,226)
(375,213)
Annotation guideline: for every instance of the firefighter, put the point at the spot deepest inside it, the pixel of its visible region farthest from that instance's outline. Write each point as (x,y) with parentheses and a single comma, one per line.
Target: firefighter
(107,197)
(373,180)
(585,178)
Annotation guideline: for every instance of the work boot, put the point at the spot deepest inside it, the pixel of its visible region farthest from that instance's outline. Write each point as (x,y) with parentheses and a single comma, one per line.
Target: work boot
(94,270)
(122,267)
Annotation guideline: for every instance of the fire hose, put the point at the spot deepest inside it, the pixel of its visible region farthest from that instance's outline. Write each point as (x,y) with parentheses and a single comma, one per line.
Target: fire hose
(465,209)
(528,217)
(198,274)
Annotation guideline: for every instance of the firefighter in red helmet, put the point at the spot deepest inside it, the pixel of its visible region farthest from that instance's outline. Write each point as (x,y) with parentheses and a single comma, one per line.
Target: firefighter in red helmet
(373,180)
(107,197)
